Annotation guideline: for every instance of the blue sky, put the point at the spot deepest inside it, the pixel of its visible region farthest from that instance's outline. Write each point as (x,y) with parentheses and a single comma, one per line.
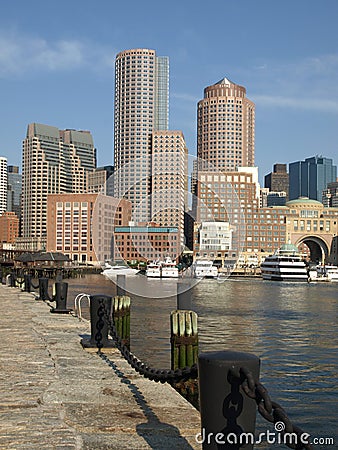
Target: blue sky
(57,67)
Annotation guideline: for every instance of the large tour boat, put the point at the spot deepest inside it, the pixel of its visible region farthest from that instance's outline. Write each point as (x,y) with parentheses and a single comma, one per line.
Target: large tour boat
(286,264)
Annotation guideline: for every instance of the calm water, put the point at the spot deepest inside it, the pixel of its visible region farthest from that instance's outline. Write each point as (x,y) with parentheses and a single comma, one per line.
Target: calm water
(291,327)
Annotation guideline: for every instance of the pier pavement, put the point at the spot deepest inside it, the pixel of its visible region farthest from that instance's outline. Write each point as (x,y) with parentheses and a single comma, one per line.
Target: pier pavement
(56,395)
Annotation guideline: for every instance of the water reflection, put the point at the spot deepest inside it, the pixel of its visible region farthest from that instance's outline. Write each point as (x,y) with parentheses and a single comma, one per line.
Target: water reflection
(291,327)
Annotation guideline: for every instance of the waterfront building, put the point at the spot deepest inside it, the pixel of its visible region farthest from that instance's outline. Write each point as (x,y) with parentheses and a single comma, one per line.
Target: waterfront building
(146,243)
(81,226)
(3,184)
(310,177)
(330,195)
(14,190)
(169,181)
(225,127)
(9,227)
(278,180)
(54,161)
(100,180)
(215,239)
(141,106)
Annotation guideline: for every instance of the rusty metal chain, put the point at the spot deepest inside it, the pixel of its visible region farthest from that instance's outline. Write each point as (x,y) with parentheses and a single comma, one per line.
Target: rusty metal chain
(271,411)
(158,375)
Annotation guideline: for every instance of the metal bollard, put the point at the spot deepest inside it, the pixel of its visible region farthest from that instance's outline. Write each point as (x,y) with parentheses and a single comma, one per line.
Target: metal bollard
(27,282)
(12,279)
(184,295)
(100,308)
(43,289)
(61,290)
(228,416)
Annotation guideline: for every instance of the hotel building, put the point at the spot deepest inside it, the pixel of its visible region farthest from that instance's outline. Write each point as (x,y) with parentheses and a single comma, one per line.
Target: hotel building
(82,225)
(141,106)
(225,127)
(54,161)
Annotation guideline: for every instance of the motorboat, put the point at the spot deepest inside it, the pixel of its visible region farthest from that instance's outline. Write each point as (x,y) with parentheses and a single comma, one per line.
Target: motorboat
(286,264)
(169,269)
(205,269)
(327,272)
(162,269)
(111,271)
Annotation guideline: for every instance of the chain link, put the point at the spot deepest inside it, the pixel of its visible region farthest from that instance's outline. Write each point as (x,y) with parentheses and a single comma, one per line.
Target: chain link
(158,375)
(271,411)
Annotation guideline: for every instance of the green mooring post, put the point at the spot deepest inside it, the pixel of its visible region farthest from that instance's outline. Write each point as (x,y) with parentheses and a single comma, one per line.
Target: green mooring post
(228,416)
(184,338)
(121,316)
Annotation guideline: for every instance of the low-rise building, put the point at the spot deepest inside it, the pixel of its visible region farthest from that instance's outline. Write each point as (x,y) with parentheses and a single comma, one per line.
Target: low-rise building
(9,227)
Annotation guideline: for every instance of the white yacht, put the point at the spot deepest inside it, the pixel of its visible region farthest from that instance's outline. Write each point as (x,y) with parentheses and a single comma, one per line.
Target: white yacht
(162,269)
(112,270)
(205,269)
(327,272)
(154,270)
(286,264)
(169,269)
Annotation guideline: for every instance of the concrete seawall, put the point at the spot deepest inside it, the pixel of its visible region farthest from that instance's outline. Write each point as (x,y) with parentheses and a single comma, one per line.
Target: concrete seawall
(56,395)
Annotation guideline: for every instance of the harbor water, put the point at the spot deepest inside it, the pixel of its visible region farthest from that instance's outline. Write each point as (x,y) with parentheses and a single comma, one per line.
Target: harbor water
(291,327)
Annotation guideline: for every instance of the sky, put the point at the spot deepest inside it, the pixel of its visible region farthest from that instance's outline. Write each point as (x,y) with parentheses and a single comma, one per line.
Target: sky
(57,68)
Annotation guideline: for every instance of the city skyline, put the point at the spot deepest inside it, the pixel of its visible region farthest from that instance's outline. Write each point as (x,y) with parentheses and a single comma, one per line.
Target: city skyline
(58,69)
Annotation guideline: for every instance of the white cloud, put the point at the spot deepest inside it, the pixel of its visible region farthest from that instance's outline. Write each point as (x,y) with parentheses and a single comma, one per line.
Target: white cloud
(21,54)
(310,104)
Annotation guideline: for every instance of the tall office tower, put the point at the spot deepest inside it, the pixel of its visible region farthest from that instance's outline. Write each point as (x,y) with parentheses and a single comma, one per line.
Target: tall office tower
(14,190)
(3,184)
(141,107)
(310,177)
(226,127)
(278,180)
(54,161)
(169,181)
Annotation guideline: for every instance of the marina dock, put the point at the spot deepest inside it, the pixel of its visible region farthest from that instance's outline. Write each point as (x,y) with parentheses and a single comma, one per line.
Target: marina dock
(56,395)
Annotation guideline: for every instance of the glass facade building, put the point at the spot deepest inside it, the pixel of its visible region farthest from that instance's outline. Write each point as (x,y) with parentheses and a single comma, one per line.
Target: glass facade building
(310,177)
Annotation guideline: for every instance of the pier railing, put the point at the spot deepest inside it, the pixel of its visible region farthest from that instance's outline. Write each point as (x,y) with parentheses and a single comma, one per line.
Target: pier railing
(229,390)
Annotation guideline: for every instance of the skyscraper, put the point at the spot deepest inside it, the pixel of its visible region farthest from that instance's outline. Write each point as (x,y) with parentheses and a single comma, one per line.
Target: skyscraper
(141,106)
(310,177)
(54,161)
(169,179)
(278,180)
(226,127)
(3,184)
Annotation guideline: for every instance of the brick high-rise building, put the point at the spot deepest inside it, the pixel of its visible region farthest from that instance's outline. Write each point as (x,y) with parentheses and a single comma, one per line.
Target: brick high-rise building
(141,107)
(54,161)
(226,127)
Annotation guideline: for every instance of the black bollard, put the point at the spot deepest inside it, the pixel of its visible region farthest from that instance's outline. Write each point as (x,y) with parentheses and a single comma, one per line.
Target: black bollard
(100,315)
(228,416)
(27,282)
(184,295)
(61,290)
(43,289)
(12,279)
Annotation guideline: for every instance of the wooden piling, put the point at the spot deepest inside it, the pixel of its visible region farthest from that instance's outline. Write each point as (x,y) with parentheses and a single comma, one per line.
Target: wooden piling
(184,350)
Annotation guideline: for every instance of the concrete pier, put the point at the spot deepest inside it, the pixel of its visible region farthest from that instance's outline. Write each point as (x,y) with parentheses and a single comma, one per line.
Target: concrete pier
(56,395)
